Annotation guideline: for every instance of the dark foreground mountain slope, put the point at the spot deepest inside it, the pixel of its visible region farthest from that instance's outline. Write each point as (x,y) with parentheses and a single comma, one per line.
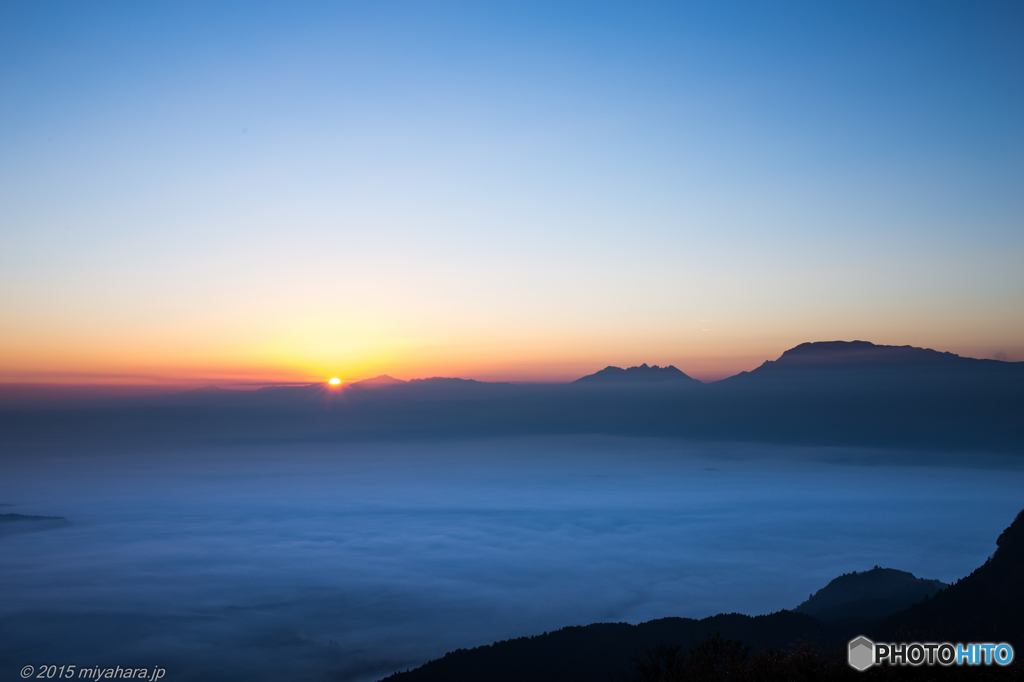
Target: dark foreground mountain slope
(868,594)
(596,652)
(986,606)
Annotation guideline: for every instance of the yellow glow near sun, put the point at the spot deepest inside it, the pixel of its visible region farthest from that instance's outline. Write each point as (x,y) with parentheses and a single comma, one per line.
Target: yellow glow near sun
(335,381)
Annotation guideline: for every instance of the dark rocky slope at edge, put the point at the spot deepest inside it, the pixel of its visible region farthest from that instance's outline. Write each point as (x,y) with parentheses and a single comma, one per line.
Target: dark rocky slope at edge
(987,605)
(868,594)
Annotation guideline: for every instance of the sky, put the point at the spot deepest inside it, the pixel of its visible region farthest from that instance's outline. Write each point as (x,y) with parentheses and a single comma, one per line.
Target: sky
(247,193)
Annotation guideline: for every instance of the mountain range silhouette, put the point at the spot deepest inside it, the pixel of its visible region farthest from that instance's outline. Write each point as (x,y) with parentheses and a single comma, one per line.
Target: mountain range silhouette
(641,374)
(831,393)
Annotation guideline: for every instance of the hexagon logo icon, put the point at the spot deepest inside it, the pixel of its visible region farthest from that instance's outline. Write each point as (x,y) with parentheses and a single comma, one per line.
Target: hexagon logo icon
(862,653)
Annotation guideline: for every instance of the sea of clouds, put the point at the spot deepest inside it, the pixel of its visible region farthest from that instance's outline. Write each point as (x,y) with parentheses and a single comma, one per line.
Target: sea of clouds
(350,561)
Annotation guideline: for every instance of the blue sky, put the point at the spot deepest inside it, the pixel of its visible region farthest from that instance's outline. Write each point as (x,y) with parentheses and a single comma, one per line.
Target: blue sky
(203,190)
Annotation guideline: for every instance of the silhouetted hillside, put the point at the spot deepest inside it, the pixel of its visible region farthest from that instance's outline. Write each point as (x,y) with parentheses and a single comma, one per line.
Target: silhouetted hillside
(986,606)
(603,650)
(868,594)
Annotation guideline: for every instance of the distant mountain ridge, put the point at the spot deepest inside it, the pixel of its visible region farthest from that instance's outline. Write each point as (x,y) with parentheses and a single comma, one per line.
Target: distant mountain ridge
(848,357)
(641,374)
(377,382)
(844,356)
(864,353)
(385,381)
(833,393)
(865,357)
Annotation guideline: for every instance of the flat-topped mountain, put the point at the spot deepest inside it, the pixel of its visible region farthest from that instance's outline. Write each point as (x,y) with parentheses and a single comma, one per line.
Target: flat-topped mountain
(636,375)
(868,594)
(865,353)
(862,357)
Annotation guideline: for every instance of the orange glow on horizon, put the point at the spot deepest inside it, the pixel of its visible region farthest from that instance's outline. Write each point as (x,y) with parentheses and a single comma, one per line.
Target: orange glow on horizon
(519,370)
(156,364)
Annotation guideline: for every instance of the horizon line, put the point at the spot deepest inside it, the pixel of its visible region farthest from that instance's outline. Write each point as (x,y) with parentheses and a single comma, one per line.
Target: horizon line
(127,383)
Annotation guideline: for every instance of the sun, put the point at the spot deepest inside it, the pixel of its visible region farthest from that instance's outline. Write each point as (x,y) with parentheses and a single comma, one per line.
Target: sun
(335,381)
